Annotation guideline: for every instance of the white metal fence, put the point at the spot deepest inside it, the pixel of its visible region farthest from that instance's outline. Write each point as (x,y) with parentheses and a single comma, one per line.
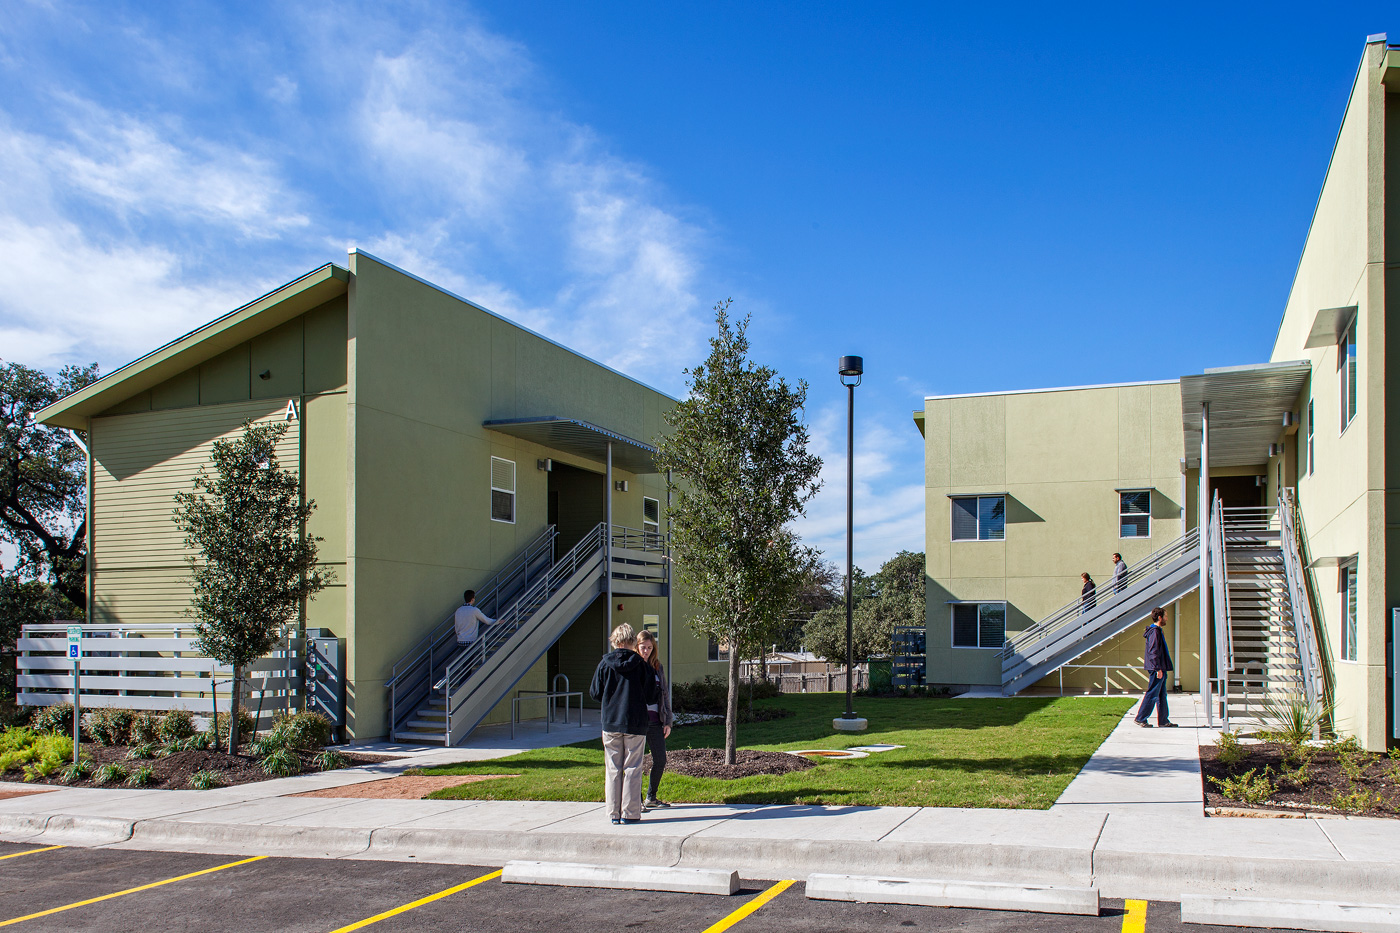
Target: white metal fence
(151,667)
(825,682)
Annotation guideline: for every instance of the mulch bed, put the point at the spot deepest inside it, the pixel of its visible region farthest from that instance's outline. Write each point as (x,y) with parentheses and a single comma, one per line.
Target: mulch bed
(709,763)
(174,771)
(1325,789)
(402,787)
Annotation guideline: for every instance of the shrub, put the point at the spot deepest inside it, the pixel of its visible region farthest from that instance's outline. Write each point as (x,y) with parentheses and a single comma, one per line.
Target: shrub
(42,768)
(109,726)
(266,744)
(16,738)
(206,780)
(246,725)
(111,773)
(1358,800)
(282,763)
(1294,720)
(145,728)
(24,749)
(141,777)
(1229,751)
(1247,788)
(199,742)
(79,770)
(138,752)
(701,696)
(330,760)
(176,725)
(304,730)
(57,718)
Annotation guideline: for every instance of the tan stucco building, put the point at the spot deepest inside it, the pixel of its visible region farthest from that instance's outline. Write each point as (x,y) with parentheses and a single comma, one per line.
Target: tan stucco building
(1026,490)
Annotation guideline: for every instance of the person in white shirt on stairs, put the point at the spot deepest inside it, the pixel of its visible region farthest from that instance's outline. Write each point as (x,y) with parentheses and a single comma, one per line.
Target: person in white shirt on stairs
(469,619)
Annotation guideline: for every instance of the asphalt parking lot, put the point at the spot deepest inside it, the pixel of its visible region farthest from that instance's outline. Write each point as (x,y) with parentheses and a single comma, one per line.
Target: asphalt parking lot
(112,890)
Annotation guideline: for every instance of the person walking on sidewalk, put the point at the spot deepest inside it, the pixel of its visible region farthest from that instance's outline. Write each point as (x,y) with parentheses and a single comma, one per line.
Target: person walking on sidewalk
(659,719)
(1158,661)
(624,684)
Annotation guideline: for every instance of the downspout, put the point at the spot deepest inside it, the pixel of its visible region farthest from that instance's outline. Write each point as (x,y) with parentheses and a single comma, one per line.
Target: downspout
(1203,545)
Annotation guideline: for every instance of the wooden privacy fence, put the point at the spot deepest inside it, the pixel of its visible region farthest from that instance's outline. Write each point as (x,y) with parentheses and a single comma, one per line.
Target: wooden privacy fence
(151,667)
(818,682)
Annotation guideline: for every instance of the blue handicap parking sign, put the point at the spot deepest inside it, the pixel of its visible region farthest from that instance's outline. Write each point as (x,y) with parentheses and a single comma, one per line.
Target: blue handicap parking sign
(72,651)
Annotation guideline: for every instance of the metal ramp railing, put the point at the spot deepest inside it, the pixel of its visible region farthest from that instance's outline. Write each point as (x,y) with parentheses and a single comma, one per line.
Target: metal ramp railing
(1075,628)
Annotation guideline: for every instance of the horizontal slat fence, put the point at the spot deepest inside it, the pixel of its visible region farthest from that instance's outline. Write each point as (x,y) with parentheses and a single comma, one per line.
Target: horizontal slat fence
(151,667)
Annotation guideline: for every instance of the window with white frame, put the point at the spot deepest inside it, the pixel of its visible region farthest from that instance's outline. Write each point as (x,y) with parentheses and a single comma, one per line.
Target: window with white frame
(1348,588)
(502,490)
(979,625)
(979,518)
(1312,451)
(1135,513)
(651,515)
(1346,372)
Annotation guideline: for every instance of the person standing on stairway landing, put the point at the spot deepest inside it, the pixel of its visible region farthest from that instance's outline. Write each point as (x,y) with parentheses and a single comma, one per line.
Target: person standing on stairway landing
(468,619)
(1158,661)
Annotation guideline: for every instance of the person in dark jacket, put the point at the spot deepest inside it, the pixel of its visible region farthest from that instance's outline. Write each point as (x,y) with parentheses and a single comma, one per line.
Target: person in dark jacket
(624,684)
(1087,597)
(660,716)
(1158,661)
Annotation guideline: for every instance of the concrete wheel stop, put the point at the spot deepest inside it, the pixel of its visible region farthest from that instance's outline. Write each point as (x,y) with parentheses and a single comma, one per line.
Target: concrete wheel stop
(630,877)
(925,892)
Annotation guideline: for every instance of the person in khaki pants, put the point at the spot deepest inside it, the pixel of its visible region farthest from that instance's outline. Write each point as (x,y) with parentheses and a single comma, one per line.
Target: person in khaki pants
(624,684)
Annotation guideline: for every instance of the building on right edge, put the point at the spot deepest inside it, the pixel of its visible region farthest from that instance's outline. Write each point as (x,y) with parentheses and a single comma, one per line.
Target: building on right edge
(1276,482)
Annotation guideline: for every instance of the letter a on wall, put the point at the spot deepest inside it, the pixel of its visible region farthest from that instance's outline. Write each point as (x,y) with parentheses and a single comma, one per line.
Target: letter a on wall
(291,413)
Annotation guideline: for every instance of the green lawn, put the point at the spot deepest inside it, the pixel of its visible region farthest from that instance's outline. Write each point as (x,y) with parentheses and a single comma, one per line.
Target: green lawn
(1012,753)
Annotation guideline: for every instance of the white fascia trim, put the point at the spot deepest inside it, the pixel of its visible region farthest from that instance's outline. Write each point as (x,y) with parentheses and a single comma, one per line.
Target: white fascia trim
(1105,385)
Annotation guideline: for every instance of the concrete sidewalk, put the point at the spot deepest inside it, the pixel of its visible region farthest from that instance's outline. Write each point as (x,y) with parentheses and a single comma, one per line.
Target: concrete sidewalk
(1131,824)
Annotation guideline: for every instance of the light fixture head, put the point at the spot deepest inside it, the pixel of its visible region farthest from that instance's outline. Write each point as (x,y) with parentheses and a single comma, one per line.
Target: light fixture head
(852,366)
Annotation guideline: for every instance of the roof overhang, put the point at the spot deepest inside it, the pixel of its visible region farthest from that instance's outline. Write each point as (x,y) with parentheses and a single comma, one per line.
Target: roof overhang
(1247,404)
(1328,327)
(225,333)
(1390,70)
(582,439)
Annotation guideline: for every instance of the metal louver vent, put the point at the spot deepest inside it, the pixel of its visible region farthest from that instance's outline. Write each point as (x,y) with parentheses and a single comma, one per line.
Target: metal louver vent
(651,510)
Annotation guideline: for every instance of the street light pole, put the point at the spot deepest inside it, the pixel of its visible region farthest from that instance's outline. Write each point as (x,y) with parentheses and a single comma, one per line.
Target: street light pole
(852,367)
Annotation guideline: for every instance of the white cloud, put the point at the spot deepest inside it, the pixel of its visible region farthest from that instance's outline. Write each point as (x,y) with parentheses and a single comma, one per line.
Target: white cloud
(889,501)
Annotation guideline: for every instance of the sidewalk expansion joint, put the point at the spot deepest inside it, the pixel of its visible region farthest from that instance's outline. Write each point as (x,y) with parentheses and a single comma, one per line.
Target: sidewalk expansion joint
(1322,825)
(1094,850)
(916,811)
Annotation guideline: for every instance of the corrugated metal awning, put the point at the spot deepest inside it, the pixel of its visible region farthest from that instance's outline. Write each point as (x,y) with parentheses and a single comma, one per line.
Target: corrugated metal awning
(1246,410)
(570,435)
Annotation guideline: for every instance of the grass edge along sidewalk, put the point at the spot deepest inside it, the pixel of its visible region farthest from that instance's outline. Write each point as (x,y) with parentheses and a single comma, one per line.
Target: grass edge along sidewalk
(1014,753)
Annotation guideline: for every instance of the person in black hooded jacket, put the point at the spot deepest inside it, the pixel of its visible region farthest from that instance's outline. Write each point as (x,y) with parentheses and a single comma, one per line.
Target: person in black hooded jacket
(624,684)
(1158,661)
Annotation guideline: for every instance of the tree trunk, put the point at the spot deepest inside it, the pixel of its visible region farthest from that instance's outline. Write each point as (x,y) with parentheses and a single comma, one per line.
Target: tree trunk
(731,712)
(232,712)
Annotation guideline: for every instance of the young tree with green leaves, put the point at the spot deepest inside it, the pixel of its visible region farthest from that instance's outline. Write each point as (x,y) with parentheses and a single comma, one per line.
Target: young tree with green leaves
(252,565)
(43,483)
(741,473)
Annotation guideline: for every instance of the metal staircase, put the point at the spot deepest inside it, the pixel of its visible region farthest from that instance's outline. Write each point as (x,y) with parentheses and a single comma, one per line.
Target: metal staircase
(1076,628)
(1266,651)
(440,691)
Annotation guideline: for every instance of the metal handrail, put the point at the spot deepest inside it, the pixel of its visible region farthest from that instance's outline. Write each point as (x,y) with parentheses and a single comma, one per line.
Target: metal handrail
(1243,519)
(1224,637)
(1295,576)
(475,655)
(1145,570)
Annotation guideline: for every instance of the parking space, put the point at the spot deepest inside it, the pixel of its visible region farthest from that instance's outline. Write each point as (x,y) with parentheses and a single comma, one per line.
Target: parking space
(71,889)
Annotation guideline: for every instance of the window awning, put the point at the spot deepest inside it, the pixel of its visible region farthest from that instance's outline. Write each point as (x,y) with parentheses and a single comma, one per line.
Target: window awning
(1246,410)
(581,438)
(1328,327)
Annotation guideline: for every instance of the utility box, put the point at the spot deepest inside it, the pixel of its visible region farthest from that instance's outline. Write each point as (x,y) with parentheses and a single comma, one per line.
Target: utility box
(325,678)
(909,665)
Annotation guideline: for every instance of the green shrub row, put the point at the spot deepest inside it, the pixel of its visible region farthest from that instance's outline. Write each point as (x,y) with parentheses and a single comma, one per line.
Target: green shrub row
(711,694)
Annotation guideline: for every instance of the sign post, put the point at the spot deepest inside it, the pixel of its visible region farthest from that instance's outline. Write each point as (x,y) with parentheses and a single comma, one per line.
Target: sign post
(75,654)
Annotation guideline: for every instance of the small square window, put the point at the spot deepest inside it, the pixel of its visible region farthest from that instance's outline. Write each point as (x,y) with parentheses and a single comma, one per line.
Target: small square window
(1135,513)
(979,625)
(651,515)
(979,518)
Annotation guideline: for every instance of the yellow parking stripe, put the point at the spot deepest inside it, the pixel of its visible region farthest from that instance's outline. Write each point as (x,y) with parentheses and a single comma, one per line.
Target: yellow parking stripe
(29,852)
(144,887)
(750,907)
(418,903)
(1135,920)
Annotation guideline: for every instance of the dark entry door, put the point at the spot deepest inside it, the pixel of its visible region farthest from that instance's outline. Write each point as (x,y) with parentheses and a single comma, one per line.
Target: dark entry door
(1237,491)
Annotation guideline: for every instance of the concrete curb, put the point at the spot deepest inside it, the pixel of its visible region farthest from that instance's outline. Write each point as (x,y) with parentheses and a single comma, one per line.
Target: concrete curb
(484,847)
(1159,876)
(631,877)
(86,830)
(21,826)
(929,893)
(255,839)
(1300,915)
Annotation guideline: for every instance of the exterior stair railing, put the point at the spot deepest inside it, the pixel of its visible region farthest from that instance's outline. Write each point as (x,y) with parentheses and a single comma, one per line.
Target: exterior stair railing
(1304,630)
(425,664)
(1224,641)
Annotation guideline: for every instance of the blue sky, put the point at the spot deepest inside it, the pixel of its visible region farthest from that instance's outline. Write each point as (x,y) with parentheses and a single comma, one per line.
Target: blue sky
(972,199)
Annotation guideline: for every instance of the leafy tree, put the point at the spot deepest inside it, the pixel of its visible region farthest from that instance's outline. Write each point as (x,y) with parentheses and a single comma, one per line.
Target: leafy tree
(43,480)
(893,597)
(738,446)
(25,602)
(252,564)
(821,589)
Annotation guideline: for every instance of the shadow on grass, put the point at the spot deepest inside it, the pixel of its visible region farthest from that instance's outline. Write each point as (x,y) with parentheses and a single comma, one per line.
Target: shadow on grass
(1020,766)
